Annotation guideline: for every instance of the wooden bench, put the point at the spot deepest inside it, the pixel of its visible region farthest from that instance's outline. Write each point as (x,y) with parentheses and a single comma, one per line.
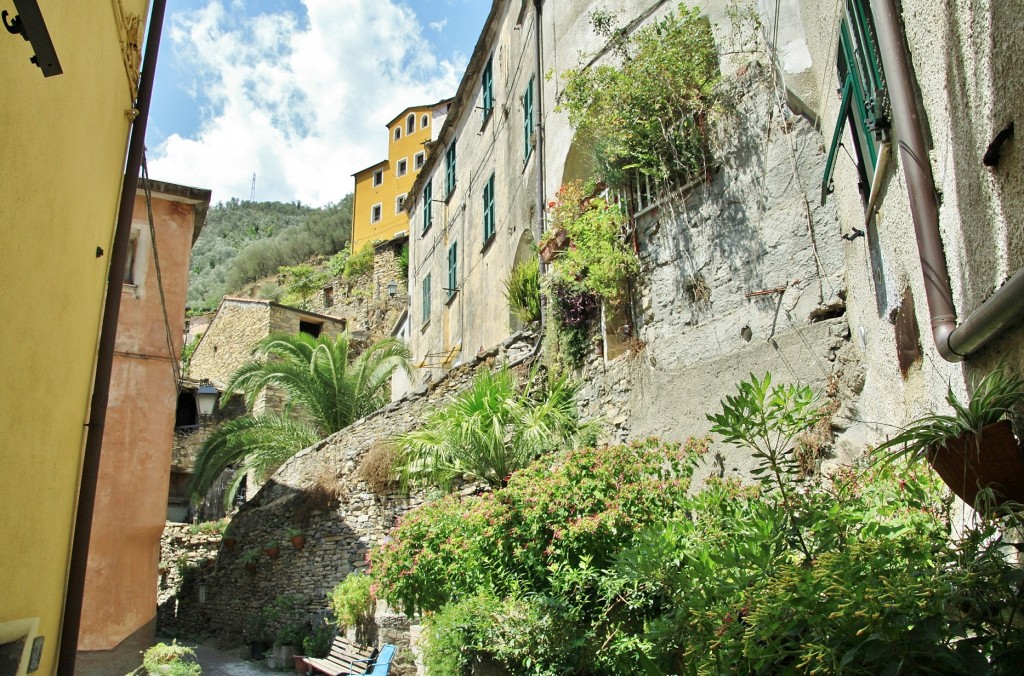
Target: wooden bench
(346,657)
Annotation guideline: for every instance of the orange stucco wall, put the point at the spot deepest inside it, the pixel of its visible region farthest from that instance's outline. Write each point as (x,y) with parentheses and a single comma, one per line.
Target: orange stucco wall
(131,502)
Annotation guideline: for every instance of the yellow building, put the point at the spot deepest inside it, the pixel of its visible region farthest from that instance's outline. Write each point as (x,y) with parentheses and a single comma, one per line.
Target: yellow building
(377,212)
(61,174)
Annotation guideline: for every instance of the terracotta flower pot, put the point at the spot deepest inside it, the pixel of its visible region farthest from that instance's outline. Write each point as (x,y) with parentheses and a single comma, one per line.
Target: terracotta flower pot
(229,543)
(300,664)
(971,462)
(298,541)
(251,567)
(554,245)
(273,552)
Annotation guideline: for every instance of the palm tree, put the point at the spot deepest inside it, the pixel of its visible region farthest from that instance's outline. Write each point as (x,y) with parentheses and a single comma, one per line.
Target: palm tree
(490,430)
(325,391)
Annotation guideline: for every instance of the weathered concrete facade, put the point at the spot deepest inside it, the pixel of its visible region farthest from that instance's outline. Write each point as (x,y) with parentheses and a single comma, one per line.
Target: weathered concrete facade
(118,612)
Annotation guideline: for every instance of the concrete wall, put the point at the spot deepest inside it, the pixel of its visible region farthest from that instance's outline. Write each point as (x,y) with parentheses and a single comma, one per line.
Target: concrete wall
(118,614)
(474,317)
(60,177)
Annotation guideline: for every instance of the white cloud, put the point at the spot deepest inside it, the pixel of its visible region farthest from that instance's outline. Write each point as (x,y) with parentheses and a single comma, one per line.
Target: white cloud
(301,104)
(439,25)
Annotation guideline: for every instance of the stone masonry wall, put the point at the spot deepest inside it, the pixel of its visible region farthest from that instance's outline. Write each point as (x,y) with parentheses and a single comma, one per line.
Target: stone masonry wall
(319,492)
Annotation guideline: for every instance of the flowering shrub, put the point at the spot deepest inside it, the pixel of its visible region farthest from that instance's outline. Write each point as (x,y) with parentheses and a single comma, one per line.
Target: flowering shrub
(553,519)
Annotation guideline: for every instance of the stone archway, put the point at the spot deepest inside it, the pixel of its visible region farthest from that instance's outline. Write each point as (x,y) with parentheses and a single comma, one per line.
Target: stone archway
(525,249)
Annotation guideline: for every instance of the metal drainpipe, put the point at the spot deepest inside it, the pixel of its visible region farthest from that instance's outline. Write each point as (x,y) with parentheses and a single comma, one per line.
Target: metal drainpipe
(105,353)
(1006,306)
(539,108)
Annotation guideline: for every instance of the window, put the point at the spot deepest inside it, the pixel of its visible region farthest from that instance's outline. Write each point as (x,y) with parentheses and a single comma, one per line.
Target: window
(133,257)
(487,85)
(428,205)
(426,298)
(311,328)
(403,167)
(489,209)
(449,171)
(399,203)
(410,123)
(378,177)
(375,213)
(528,121)
(417,160)
(453,268)
(398,133)
(864,104)
(425,122)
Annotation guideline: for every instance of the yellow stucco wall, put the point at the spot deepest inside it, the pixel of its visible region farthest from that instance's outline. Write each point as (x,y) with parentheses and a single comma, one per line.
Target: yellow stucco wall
(367,195)
(60,176)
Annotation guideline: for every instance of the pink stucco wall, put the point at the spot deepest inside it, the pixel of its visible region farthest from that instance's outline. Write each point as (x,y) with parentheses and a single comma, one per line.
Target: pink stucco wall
(131,503)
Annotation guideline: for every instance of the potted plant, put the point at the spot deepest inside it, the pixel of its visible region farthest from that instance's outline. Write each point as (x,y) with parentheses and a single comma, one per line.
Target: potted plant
(974,447)
(273,549)
(317,644)
(553,243)
(297,537)
(289,640)
(249,558)
(228,539)
(254,632)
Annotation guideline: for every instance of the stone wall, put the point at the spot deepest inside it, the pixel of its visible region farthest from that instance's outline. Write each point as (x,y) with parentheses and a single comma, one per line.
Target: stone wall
(318,491)
(364,302)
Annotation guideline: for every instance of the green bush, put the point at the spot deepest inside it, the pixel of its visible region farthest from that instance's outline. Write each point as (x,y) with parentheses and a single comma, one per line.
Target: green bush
(318,644)
(171,660)
(522,290)
(359,263)
(403,262)
(352,600)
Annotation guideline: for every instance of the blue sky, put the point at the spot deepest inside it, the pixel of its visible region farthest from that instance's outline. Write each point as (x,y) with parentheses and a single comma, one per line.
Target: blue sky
(297,92)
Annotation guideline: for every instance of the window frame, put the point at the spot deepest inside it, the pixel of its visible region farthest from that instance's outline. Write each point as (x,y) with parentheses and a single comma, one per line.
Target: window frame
(400,202)
(450,162)
(864,104)
(398,133)
(418,160)
(453,270)
(410,124)
(377,212)
(428,206)
(378,178)
(425,285)
(487,89)
(425,121)
(528,121)
(490,227)
(402,167)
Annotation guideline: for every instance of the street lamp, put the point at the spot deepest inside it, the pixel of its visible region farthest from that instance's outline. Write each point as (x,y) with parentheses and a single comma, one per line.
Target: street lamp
(392,288)
(206,399)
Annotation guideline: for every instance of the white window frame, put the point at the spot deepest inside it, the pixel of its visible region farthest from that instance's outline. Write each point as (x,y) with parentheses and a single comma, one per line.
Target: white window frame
(425,121)
(399,202)
(402,167)
(398,133)
(376,212)
(378,178)
(418,159)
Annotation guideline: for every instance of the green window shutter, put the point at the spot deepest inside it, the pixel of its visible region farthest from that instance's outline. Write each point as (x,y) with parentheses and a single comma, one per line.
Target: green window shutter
(488,89)
(449,171)
(426,298)
(428,205)
(528,121)
(453,257)
(489,226)
(837,140)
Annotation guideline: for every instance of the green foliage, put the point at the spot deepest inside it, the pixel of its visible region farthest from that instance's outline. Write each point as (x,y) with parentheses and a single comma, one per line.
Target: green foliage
(320,380)
(301,282)
(604,563)
(250,555)
(351,600)
(336,264)
(359,263)
(209,527)
(170,660)
(490,430)
(522,291)
(994,398)
(244,241)
(403,262)
(550,531)
(649,113)
(187,350)
(318,644)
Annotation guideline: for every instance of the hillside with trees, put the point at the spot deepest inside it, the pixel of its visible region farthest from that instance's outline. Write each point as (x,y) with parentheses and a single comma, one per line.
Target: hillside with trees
(244,241)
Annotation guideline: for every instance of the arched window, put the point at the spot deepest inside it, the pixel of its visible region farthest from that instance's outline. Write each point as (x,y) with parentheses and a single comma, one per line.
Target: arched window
(398,132)
(425,122)
(410,123)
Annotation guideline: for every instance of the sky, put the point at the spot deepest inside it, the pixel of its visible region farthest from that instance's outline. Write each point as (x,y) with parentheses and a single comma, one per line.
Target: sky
(296,91)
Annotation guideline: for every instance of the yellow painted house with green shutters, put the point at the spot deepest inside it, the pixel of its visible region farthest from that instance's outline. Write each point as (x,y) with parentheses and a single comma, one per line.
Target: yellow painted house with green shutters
(380,189)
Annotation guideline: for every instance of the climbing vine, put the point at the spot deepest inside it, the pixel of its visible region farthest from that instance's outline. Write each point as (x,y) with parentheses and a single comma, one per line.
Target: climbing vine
(649,113)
